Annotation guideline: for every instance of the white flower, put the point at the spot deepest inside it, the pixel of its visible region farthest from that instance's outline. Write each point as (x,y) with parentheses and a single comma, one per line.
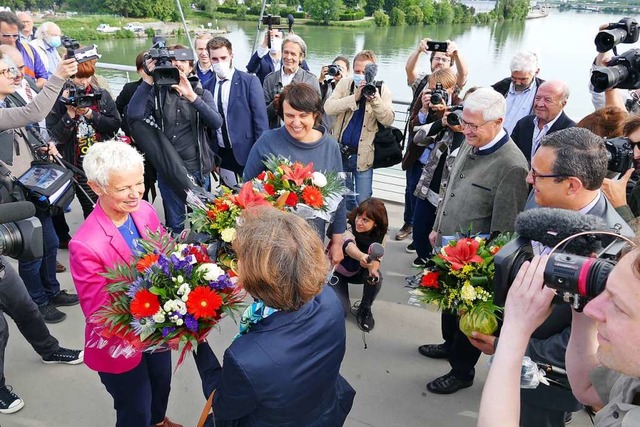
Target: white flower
(211,271)
(158,317)
(228,234)
(179,322)
(180,306)
(184,289)
(168,306)
(180,279)
(178,251)
(185,297)
(468,292)
(318,179)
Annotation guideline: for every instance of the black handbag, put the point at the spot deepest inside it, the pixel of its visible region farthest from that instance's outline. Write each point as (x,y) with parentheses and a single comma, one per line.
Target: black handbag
(387,145)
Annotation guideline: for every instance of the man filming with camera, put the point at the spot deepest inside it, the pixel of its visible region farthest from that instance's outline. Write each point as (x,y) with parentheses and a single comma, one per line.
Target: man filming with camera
(566,172)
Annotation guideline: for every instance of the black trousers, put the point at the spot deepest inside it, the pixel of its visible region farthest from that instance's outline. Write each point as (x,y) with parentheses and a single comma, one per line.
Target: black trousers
(341,287)
(462,355)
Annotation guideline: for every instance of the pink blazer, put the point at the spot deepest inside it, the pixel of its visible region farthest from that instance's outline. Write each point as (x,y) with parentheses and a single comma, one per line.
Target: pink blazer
(95,246)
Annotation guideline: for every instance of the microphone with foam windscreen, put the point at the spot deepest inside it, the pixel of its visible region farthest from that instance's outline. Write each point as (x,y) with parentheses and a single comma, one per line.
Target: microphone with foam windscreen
(16,211)
(370,72)
(550,226)
(376,251)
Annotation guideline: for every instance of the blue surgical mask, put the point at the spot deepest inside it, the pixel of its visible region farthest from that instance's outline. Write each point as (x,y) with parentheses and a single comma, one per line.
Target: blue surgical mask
(54,41)
(357,78)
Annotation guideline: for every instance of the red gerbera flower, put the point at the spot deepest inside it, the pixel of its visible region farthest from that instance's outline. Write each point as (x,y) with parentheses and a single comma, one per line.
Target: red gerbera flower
(312,197)
(292,199)
(430,280)
(146,262)
(203,302)
(144,304)
(464,252)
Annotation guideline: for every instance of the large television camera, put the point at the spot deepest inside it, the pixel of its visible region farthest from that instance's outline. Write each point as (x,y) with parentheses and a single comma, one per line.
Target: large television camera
(78,98)
(165,73)
(572,271)
(622,71)
(74,50)
(20,231)
(624,31)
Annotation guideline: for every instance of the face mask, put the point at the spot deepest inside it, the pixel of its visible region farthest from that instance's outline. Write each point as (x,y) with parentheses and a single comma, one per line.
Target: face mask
(54,41)
(276,45)
(222,69)
(357,78)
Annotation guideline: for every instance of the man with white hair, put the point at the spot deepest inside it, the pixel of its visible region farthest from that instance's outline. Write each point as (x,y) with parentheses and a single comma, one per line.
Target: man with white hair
(489,174)
(294,50)
(520,89)
(26,31)
(46,42)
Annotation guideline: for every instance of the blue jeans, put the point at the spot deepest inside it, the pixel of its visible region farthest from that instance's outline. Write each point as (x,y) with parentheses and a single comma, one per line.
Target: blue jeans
(39,275)
(413,176)
(356,181)
(424,216)
(174,207)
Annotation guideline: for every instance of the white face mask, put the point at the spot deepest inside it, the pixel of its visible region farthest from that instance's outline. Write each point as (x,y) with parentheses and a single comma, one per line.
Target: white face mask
(276,45)
(222,69)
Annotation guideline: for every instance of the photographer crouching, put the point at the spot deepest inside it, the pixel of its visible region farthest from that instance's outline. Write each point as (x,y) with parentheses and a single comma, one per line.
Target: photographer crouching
(16,156)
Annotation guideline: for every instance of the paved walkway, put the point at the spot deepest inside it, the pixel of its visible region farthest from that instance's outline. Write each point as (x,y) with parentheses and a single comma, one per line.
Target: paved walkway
(389,376)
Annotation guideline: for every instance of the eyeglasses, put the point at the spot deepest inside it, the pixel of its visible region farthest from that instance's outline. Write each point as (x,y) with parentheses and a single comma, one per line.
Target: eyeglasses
(15,36)
(441,59)
(535,175)
(471,125)
(9,72)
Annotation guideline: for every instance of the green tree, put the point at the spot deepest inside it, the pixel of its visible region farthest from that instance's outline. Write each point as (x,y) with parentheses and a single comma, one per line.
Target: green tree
(390,4)
(372,5)
(323,10)
(511,9)
(414,15)
(444,12)
(381,19)
(396,17)
(428,12)
(351,4)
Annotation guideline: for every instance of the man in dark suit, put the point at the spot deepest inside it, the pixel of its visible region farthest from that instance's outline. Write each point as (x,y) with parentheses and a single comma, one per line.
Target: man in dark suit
(549,117)
(240,100)
(566,173)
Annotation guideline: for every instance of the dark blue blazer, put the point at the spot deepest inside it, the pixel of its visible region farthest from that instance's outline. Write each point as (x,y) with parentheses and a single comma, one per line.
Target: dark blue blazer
(522,133)
(284,371)
(246,113)
(261,67)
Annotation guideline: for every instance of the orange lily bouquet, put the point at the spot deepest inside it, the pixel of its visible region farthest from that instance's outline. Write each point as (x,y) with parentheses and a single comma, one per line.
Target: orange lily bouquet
(460,279)
(170,295)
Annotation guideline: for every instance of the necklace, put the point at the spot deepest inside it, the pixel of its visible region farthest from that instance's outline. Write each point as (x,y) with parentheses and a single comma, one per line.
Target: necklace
(129,223)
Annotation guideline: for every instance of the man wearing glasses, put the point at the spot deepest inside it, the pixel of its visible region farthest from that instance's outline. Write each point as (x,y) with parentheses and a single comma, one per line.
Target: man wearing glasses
(9,35)
(566,172)
(489,174)
(520,89)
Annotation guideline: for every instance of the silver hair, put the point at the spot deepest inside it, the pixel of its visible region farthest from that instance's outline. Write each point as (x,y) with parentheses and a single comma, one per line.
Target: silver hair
(526,61)
(45,28)
(487,101)
(104,158)
(294,38)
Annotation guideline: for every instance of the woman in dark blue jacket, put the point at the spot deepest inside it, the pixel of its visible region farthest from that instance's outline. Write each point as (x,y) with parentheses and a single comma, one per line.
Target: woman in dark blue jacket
(283,367)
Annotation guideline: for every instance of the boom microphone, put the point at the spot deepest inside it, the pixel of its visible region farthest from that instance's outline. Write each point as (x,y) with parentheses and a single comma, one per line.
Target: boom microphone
(370,72)
(376,251)
(16,211)
(550,226)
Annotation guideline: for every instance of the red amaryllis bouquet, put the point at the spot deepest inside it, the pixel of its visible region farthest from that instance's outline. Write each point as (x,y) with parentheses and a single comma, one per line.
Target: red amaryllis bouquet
(460,279)
(169,295)
(298,188)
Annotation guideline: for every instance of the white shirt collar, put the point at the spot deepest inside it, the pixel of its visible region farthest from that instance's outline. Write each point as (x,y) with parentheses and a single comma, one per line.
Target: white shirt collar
(494,141)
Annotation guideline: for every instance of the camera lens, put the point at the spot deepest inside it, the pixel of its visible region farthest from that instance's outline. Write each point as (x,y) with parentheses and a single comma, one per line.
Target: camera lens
(577,275)
(333,70)
(369,90)
(436,98)
(453,119)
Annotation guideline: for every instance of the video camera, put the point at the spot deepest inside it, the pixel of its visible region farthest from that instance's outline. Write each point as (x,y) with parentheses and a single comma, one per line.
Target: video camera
(79,99)
(439,95)
(274,22)
(619,154)
(74,50)
(622,71)
(455,114)
(624,31)
(576,276)
(165,73)
(20,232)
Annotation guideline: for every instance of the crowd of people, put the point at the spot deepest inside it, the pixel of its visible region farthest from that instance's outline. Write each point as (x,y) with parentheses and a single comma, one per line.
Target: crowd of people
(475,158)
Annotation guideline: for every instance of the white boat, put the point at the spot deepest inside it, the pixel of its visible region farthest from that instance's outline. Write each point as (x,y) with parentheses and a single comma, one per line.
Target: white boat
(538,12)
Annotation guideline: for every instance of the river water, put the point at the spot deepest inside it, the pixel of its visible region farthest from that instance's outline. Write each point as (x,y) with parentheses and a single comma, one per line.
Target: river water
(563,40)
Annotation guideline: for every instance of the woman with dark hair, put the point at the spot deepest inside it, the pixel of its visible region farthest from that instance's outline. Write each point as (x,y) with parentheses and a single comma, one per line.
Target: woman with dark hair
(77,127)
(282,369)
(369,224)
(302,139)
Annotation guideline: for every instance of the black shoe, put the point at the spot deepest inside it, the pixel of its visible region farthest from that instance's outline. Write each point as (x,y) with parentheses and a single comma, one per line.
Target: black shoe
(434,351)
(448,384)
(9,401)
(404,232)
(51,314)
(65,355)
(568,417)
(419,263)
(365,319)
(411,248)
(63,298)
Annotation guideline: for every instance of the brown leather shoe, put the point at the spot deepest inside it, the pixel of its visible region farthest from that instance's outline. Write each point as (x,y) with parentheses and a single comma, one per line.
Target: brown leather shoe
(60,268)
(404,232)
(167,423)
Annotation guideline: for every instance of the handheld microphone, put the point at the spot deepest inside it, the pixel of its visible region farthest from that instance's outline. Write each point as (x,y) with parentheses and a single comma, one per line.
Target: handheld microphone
(376,251)
(370,72)
(550,226)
